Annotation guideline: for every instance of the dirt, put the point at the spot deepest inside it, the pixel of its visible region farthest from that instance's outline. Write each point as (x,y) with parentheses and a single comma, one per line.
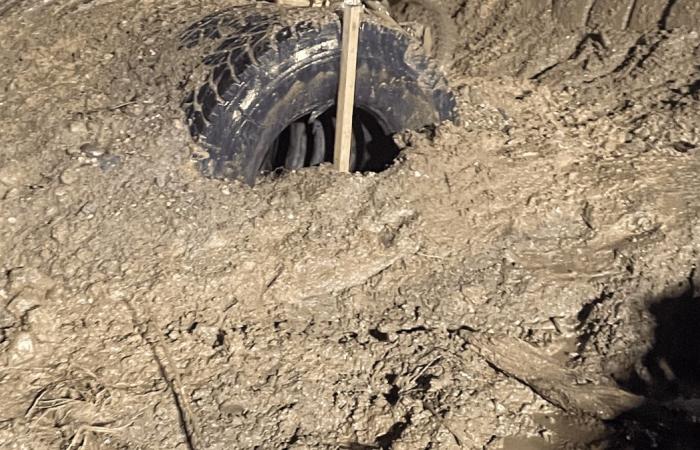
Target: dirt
(145,306)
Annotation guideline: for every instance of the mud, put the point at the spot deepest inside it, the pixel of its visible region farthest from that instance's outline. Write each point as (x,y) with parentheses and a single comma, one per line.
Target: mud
(144,306)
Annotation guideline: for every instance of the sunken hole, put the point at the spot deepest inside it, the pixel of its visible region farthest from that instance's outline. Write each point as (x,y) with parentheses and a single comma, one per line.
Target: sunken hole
(308,142)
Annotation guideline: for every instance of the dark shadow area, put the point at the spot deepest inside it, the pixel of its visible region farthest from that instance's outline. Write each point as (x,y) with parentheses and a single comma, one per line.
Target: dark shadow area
(669,379)
(309,141)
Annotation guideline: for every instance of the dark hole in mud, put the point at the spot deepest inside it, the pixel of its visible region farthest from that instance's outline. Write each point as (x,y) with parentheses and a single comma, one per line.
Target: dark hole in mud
(694,88)
(347,338)
(412,330)
(294,439)
(309,141)
(386,440)
(525,94)
(379,335)
(220,336)
(683,146)
(585,313)
(392,397)
(423,381)
(590,306)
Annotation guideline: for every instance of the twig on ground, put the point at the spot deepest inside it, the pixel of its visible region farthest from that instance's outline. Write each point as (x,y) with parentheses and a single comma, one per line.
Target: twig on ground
(80,437)
(417,375)
(171,377)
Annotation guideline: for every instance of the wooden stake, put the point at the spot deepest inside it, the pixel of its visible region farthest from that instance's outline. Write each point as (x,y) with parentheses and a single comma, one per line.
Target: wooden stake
(352,13)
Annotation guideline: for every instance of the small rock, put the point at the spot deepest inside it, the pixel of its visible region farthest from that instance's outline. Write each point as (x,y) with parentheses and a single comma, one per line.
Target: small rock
(109,162)
(69,176)
(208,334)
(173,334)
(78,127)
(232,412)
(22,349)
(161,179)
(136,109)
(91,150)
(11,175)
(73,151)
(43,325)
(24,343)
(89,208)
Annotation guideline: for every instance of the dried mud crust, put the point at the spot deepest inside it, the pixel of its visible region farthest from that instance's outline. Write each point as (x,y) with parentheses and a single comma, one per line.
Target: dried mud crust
(269,65)
(145,306)
(441,39)
(526,38)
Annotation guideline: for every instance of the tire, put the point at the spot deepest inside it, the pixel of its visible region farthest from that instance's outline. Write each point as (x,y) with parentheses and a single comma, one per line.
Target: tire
(268,66)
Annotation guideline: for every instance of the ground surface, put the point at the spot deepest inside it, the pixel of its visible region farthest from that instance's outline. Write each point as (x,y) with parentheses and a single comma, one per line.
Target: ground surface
(143,306)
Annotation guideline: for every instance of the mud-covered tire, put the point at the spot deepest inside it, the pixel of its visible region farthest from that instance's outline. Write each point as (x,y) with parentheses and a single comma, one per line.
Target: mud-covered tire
(268,66)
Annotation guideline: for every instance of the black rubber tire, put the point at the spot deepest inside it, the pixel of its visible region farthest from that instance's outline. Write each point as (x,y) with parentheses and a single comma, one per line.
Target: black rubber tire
(269,65)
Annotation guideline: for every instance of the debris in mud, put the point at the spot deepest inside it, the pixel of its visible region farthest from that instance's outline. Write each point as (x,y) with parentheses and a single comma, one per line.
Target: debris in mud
(559,386)
(91,150)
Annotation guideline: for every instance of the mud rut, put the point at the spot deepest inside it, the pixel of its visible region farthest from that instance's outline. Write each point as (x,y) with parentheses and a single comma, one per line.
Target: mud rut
(143,306)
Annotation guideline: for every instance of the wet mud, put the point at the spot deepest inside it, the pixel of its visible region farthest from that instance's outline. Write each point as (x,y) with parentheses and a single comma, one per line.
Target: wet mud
(145,306)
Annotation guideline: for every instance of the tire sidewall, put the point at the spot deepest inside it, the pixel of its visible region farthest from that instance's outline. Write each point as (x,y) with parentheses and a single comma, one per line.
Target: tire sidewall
(301,78)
